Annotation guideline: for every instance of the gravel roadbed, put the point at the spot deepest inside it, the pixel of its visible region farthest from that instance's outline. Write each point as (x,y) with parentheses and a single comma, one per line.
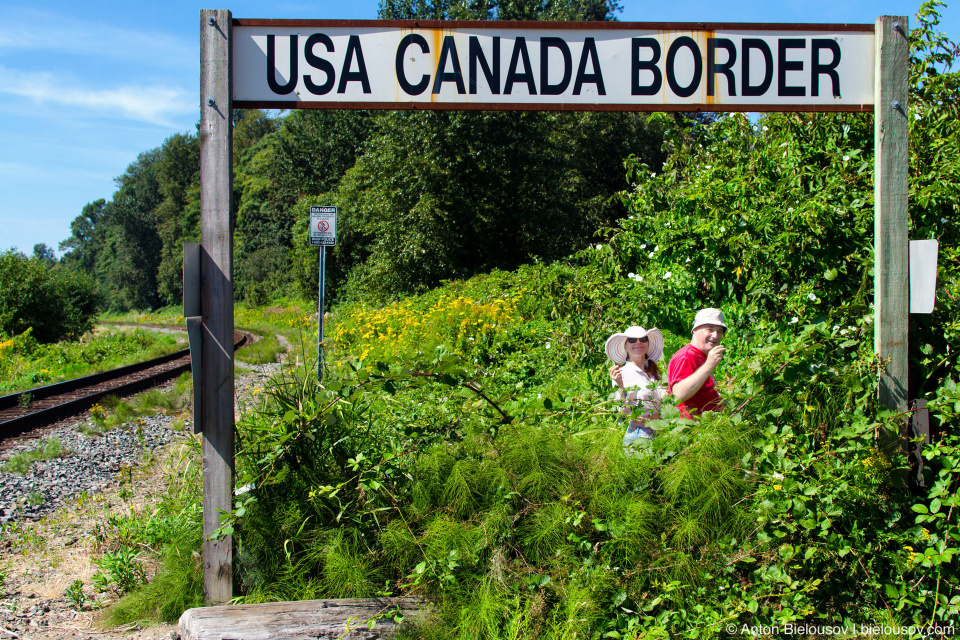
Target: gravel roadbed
(53,509)
(91,463)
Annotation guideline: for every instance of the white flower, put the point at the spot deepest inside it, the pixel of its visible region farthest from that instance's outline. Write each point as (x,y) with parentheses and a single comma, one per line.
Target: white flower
(943,220)
(742,223)
(845,158)
(812,296)
(631,275)
(599,246)
(656,248)
(548,345)
(650,255)
(835,327)
(688,259)
(643,246)
(667,275)
(244,489)
(653,175)
(916,116)
(794,320)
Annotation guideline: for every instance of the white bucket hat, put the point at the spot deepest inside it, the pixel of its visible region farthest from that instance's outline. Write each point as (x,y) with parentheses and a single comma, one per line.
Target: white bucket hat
(616,346)
(708,316)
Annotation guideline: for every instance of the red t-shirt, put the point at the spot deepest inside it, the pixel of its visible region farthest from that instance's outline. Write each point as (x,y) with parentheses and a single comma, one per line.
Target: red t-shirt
(682,365)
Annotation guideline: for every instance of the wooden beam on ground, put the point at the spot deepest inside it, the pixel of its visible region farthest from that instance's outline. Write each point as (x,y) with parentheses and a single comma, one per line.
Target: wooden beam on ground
(216,273)
(891,243)
(307,619)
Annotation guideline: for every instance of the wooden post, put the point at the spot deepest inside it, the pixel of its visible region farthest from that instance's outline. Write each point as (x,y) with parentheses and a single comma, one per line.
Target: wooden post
(891,244)
(216,272)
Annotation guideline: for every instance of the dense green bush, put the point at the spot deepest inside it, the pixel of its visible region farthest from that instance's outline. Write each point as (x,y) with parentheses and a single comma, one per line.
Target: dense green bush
(24,363)
(55,302)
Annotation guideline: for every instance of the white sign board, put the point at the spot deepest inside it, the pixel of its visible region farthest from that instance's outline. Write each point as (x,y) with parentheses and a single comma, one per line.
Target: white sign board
(323,226)
(923,275)
(582,66)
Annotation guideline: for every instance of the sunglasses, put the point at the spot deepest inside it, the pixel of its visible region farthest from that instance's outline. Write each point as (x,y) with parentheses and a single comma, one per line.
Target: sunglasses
(632,340)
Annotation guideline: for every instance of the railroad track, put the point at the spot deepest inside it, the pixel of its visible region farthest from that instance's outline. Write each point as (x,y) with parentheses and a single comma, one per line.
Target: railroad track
(26,410)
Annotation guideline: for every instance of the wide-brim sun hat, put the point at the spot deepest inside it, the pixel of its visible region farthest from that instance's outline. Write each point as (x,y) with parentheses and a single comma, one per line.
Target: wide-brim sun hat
(708,316)
(616,346)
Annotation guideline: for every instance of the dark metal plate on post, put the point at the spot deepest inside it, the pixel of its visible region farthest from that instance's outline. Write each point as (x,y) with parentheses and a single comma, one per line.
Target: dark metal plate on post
(193,315)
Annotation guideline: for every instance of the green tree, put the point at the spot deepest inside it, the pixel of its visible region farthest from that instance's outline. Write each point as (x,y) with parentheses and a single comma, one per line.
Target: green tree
(308,155)
(45,253)
(595,10)
(86,237)
(55,302)
(131,269)
(441,195)
(178,178)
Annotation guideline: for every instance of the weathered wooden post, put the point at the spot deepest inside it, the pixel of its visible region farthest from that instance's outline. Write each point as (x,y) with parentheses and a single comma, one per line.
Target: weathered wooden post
(216,273)
(891,248)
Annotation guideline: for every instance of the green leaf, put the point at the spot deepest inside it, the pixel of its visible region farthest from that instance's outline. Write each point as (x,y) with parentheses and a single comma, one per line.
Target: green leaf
(831,274)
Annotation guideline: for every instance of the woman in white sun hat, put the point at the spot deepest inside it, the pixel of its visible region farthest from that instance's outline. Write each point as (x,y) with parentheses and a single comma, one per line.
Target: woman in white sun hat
(635,354)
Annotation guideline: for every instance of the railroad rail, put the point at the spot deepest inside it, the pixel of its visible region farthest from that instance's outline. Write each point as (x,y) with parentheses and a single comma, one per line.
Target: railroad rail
(33,408)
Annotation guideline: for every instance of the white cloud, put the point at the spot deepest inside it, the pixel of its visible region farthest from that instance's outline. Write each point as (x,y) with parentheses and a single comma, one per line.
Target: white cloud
(32,30)
(153,104)
(33,173)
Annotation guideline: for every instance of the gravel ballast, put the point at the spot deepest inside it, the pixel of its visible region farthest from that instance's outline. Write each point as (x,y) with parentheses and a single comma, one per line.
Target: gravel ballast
(91,464)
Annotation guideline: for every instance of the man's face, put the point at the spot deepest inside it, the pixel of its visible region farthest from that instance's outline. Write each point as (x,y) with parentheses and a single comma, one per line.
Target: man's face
(707,336)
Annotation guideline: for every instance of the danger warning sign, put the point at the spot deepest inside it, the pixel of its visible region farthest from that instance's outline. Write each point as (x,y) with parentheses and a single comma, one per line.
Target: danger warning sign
(323,226)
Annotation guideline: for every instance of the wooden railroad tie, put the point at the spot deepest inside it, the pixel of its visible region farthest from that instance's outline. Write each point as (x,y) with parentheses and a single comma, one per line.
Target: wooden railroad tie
(345,619)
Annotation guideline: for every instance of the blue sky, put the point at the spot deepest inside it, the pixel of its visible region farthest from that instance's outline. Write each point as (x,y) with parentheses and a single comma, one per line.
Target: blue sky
(87,86)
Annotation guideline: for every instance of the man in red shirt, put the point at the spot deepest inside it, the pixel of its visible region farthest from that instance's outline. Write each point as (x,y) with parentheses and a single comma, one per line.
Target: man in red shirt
(690,373)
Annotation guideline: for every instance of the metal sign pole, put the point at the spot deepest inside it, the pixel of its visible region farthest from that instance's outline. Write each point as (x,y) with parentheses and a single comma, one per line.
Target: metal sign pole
(323,253)
(323,233)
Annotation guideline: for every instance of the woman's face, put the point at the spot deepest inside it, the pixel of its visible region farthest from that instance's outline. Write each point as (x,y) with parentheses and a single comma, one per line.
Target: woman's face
(637,349)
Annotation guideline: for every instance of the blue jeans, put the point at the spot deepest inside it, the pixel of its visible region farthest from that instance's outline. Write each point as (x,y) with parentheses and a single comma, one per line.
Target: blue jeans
(637,433)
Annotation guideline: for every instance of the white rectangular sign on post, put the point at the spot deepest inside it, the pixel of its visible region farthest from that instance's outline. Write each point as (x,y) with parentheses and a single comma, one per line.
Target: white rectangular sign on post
(923,275)
(323,226)
(552,66)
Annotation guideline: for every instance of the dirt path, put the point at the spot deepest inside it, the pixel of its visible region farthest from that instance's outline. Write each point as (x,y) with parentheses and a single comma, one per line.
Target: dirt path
(40,559)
